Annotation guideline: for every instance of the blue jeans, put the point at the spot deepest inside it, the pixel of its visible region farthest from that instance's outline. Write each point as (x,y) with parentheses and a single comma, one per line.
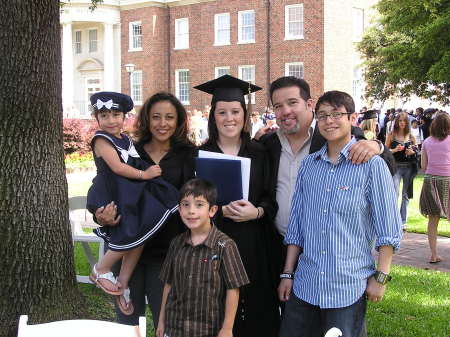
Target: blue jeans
(403,172)
(302,319)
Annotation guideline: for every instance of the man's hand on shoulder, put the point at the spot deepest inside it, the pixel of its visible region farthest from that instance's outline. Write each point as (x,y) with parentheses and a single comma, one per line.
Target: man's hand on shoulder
(363,150)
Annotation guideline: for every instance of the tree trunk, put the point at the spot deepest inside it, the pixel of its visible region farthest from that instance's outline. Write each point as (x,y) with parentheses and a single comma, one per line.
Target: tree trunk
(36,253)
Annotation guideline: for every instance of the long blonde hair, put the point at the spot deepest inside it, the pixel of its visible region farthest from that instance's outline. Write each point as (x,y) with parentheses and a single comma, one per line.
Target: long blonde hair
(369,125)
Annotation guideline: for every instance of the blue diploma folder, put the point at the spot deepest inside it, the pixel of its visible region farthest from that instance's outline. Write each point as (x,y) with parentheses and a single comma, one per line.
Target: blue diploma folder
(225,174)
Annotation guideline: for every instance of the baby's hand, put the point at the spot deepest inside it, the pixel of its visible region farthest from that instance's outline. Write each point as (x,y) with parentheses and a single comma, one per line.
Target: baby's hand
(152,172)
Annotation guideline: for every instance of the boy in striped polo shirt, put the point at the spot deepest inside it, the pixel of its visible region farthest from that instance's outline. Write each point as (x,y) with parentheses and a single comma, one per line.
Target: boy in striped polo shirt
(339,211)
(202,271)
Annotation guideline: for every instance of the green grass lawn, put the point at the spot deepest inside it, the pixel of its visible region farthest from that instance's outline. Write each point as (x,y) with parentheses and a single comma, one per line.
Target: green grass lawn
(416,304)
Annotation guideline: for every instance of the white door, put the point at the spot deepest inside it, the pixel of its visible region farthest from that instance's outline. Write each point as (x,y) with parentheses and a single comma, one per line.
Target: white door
(93,85)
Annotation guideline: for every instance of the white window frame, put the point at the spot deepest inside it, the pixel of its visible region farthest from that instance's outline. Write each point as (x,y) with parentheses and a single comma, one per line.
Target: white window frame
(287,65)
(134,97)
(217,69)
(131,36)
(240,27)
(357,33)
(78,45)
(179,42)
(177,86)
(91,42)
(216,29)
(240,69)
(287,34)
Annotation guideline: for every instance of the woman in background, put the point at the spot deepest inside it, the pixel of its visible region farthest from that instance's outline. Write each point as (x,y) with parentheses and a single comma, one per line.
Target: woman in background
(402,145)
(435,195)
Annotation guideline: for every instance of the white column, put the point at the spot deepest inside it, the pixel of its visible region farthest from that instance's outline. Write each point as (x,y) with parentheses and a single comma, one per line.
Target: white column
(67,68)
(108,57)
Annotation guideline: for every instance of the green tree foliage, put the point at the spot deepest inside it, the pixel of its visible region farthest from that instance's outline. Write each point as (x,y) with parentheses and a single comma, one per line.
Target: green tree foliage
(408,51)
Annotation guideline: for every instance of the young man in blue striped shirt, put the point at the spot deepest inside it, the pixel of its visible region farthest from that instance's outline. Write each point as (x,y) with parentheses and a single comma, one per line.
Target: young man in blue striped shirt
(339,211)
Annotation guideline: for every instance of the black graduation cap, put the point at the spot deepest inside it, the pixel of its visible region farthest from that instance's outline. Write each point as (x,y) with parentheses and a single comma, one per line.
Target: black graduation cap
(228,89)
(370,114)
(111,101)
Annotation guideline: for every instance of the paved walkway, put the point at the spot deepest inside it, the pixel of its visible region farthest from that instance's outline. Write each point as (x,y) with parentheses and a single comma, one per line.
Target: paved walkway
(414,251)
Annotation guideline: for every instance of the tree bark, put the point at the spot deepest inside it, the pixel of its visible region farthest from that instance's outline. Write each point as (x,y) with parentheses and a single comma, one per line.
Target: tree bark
(36,252)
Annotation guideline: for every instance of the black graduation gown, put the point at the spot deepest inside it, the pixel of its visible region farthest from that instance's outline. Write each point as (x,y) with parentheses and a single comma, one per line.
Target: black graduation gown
(258,310)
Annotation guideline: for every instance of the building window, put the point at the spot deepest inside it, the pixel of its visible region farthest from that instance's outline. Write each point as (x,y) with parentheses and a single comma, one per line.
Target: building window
(78,42)
(182,85)
(358,24)
(135,31)
(357,84)
(93,40)
(220,71)
(222,29)
(293,22)
(294,69)
(182,33)
(246,26)
(247,73)
(136,87)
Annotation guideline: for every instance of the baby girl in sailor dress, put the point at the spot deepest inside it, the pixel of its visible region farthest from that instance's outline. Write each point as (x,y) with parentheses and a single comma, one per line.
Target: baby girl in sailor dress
(144,200)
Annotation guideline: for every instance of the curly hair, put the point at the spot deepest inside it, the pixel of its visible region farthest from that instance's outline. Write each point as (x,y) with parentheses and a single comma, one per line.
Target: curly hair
(143,134)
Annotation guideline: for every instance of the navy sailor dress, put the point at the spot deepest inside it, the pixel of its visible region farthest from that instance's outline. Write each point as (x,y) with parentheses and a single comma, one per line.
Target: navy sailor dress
(144,205)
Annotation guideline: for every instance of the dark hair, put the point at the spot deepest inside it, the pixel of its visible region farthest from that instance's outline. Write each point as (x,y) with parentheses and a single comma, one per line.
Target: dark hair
(199,188)
(440,127)
(337,99)
(213,133)
(291,81)
(144,135)
(397,123)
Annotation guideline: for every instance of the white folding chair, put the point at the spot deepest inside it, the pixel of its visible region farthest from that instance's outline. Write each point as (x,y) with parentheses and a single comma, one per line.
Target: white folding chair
(79,203)
(80,328)
(333,332)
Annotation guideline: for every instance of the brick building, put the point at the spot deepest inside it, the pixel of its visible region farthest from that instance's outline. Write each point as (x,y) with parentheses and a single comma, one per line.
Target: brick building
(186,43)
(174,45)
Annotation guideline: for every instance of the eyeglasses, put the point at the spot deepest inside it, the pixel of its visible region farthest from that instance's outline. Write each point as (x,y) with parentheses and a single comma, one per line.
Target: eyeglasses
(335,115)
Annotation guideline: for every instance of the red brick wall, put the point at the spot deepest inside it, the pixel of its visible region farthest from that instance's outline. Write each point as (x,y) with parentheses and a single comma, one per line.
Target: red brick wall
(153,59)
(202,56)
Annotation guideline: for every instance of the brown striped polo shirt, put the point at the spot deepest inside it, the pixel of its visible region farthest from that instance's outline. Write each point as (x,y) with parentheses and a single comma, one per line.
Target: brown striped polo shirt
(199,277)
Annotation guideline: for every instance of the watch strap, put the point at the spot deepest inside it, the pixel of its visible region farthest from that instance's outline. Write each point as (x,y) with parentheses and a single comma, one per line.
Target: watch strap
(381,277)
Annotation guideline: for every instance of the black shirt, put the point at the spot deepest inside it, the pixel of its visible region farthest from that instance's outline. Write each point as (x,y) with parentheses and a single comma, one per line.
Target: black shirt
(177,167)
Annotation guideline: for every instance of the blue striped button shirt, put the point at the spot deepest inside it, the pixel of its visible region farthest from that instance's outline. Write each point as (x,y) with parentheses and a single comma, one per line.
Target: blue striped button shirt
(339,211)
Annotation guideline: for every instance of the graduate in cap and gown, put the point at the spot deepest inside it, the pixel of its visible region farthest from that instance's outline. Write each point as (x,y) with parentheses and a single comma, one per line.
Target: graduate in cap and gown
(369,124)
(248,222)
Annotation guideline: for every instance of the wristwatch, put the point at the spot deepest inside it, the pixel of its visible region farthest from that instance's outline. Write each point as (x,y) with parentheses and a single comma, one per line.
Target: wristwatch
(381,277)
